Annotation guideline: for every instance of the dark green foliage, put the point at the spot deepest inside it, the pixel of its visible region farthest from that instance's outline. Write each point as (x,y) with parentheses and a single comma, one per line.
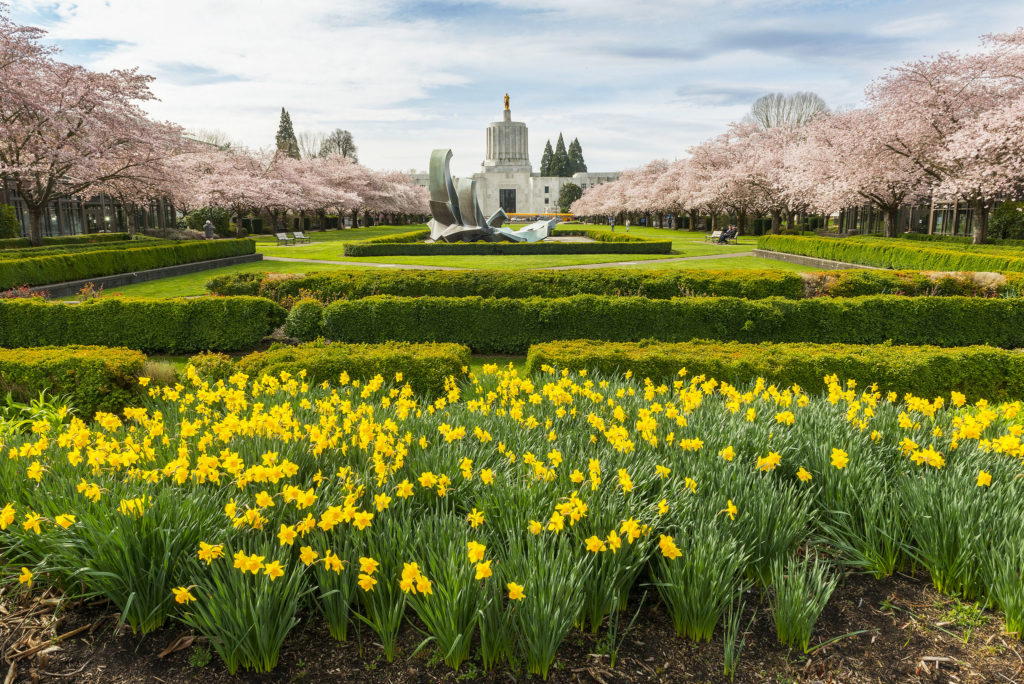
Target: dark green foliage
(174,326)
(20,243)
(1007,221)
(9,225)
(924,371)
(15,253)
(220,217)
(423,366)
(287,143)
(567,194)
(411,244)
(61,267)
(512,325)
(891,253)
(560,160)
(355,284)
(545,159)
(339,143)
(93,378)
(576,163)
(304,320)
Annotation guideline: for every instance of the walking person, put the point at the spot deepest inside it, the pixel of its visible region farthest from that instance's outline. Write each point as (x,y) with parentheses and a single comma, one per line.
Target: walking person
(611,223)
(208,229)
(627,225)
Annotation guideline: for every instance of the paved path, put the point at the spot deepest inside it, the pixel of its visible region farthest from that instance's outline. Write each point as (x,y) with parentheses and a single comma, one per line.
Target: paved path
(605,264)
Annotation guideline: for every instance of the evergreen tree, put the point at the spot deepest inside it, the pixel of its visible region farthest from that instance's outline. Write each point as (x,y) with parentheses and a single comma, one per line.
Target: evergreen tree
(545,160)
(560,160)
(569,193)
(576,163)
(286,140)
(339,143)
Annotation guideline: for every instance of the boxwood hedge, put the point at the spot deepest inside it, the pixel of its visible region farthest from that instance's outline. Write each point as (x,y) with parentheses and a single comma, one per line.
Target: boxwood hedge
(423,366)
(13,243)
(927,371)
(411,244)
(92,378)
(59,267)
(512,325)
(172,326)
(900,254)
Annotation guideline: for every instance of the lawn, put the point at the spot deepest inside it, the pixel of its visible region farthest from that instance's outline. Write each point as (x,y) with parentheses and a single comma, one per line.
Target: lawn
(726,263)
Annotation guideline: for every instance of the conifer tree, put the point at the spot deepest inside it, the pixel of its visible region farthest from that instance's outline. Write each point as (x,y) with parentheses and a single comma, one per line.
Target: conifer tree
(560,160)
(286,140)
(576,163)
(545,160)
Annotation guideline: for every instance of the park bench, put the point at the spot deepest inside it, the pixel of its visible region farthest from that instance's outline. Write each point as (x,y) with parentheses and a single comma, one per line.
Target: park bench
(299,236)
(715,236)
(283,239)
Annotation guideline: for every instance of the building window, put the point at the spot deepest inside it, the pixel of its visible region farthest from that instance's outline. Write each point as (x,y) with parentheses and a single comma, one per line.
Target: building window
(507,200)
(583,187)
(545,200)
(546,188)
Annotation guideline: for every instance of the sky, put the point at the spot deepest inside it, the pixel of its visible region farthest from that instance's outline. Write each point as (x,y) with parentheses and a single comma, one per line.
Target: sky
(633,80)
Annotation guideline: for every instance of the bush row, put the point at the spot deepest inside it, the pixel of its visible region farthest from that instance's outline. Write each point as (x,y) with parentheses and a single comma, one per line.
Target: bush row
(14,243)
(92,378)
(24,253)
(961,239)
(925,371)
(328,286)
(56,268)
(512,325)
(423,366)
(898,254)
(153,325)
(410,244)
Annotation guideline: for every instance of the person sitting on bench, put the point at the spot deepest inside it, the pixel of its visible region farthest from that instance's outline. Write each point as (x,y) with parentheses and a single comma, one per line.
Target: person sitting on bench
(728,234)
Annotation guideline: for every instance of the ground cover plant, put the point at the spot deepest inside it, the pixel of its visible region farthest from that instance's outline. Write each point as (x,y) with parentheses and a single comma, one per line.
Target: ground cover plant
(508,510)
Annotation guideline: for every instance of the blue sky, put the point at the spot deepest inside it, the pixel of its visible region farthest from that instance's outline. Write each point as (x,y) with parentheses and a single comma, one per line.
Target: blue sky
(633,80)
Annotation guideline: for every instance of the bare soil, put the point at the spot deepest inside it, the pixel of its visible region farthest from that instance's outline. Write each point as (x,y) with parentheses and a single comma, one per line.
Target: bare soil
(896,630)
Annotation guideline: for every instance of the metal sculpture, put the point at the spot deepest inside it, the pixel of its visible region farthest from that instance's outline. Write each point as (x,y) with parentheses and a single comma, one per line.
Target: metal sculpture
(457,216)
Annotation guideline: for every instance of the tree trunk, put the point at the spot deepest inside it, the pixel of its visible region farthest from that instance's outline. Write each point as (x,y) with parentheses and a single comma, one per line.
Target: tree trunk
(890,218)
(979,222)
(789,221)
(35,225)
(776,222)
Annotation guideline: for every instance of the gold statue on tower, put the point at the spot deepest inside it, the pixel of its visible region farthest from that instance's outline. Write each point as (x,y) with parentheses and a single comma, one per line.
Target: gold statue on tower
(506,102)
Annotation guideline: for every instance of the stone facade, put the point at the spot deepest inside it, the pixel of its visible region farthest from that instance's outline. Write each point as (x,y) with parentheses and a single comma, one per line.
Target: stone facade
(507,180)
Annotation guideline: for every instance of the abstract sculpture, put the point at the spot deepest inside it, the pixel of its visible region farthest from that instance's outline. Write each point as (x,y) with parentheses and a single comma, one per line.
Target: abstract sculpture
(456,212)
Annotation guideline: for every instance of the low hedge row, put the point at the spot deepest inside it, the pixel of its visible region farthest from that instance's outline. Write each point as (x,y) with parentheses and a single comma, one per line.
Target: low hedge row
(659,284)
(92,378)
(899,254)
(329,286)
(423,366)
(512,325)
(20,253)
(14,243)
(56,268)
(411,244)
(172,326)
(925,371)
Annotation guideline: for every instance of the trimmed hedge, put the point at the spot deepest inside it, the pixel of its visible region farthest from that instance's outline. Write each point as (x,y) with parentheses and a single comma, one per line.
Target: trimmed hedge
(411,244)
(898,254)
(56,268)
(14,243)
(658,284)
(423,366)
(924,371)
(512,325)
(93,378)
(173,326)
(20,253)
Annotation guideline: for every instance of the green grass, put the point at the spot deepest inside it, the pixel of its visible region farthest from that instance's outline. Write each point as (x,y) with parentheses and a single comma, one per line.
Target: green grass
(727,263)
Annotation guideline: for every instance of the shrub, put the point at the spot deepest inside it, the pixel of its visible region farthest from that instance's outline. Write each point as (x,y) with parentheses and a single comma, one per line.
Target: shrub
(84,239)
(658,284)
(10,227)
(423,366)
(898,254)
(303,322)
(56,268)
(926,371)
(213,366)
(94,378)
(173,326)
(411,244)
(221,218)
(1008,221)
(512,325)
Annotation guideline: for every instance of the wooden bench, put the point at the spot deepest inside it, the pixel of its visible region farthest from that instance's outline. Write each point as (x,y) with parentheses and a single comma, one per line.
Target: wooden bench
(283,239)
(299,236)
(713,237)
